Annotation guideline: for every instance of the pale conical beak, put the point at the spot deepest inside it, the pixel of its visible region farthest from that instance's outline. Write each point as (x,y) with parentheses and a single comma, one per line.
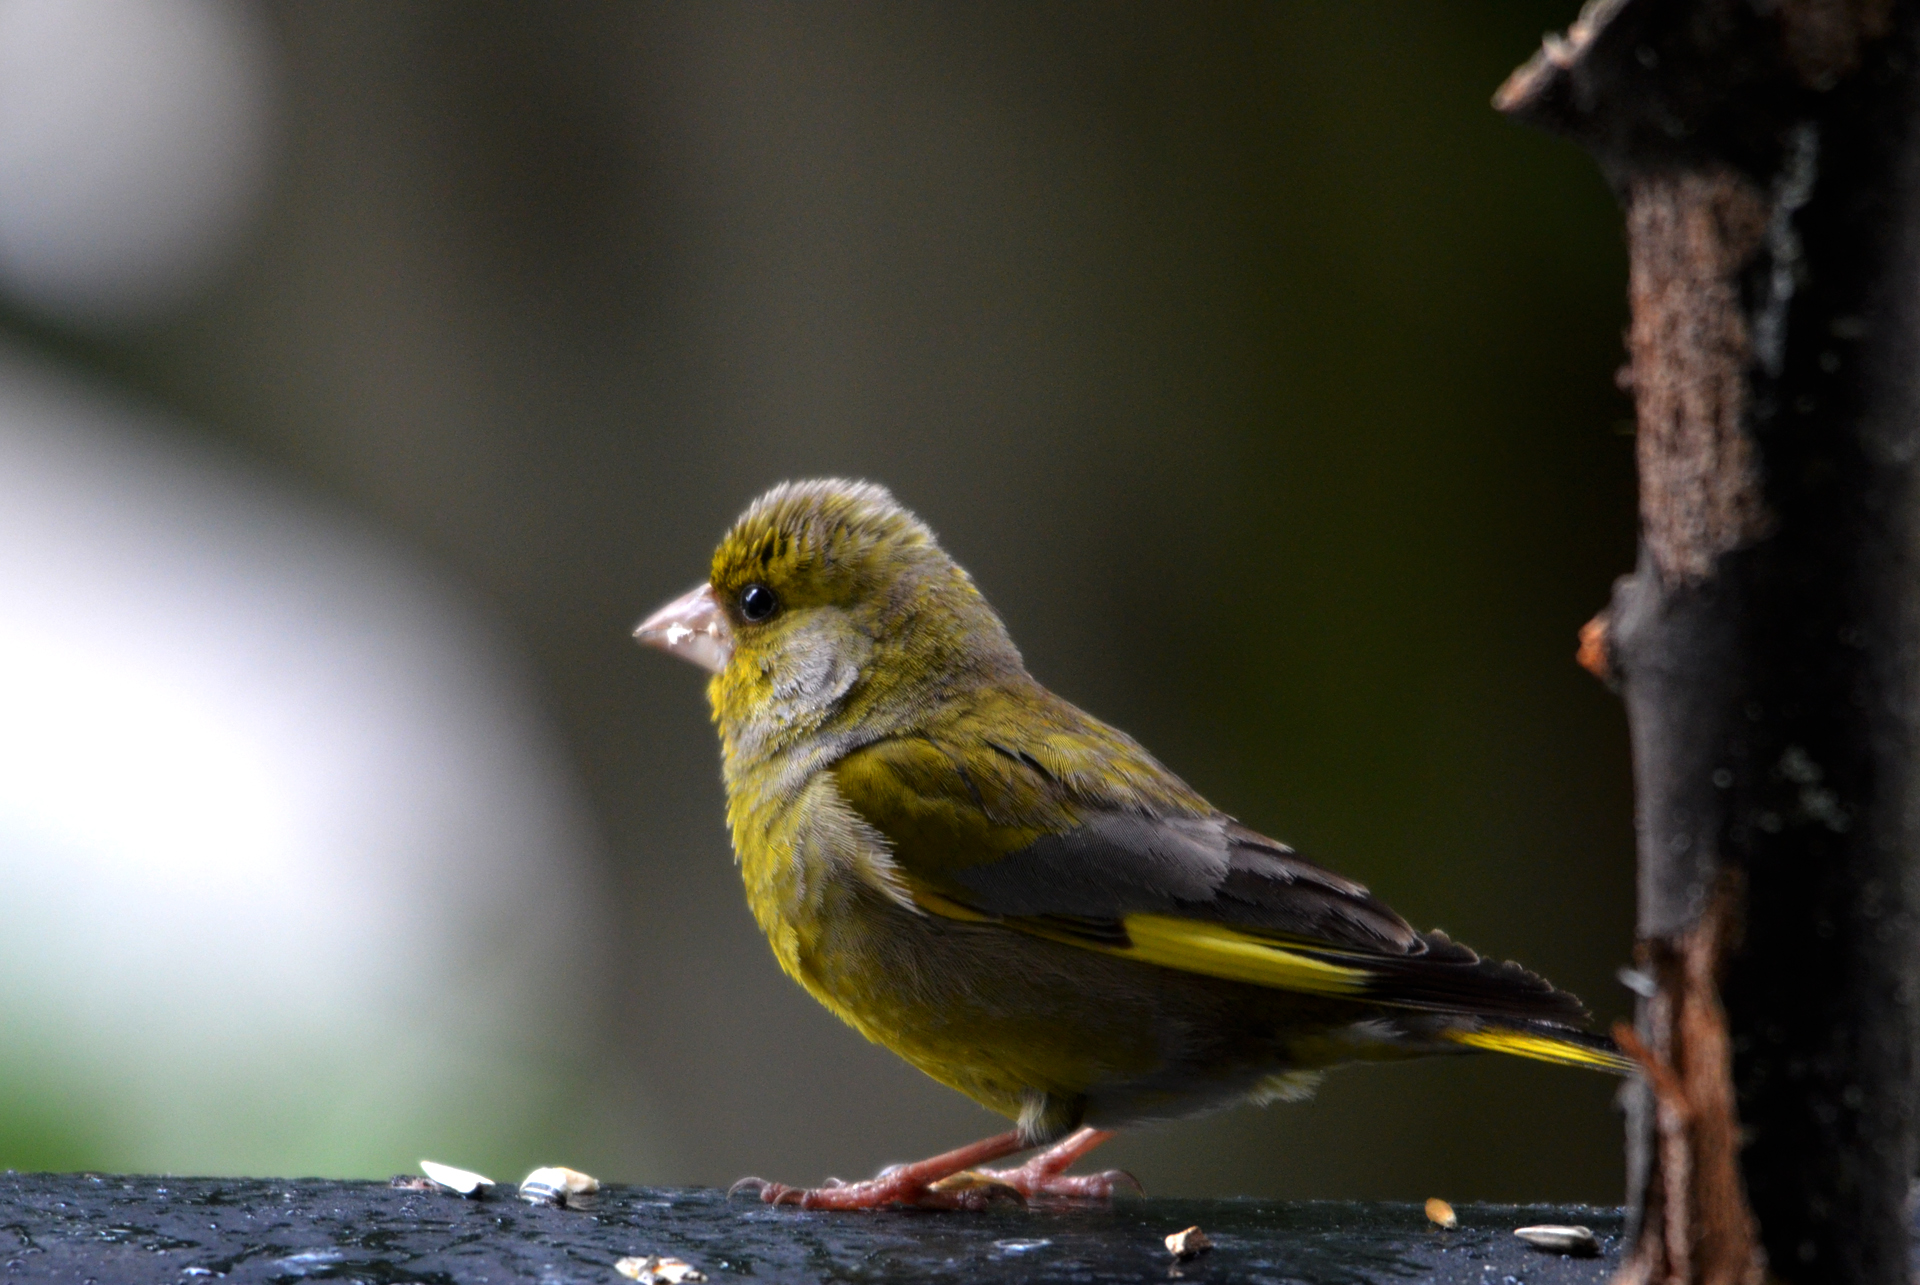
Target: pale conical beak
(691,627)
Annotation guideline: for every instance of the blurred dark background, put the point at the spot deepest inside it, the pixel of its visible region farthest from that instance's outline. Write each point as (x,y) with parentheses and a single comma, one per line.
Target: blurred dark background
(1259,372)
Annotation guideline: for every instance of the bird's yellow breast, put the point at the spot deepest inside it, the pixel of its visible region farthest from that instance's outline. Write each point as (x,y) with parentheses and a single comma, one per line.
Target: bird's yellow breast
(994,1014)
(816,875)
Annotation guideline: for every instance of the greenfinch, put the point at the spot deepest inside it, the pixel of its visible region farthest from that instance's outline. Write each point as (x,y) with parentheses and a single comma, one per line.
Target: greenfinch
(1017,898)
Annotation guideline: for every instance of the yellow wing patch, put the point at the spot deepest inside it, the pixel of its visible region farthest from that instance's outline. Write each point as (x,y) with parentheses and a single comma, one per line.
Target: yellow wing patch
(1218,951)
(1541,1048)
(1212,950)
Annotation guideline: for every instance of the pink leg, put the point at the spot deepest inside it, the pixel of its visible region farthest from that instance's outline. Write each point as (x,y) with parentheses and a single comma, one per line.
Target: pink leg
(903,1185)
(1046,1174)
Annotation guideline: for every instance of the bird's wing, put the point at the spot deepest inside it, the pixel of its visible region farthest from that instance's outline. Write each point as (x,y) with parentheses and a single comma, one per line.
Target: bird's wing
(998,835)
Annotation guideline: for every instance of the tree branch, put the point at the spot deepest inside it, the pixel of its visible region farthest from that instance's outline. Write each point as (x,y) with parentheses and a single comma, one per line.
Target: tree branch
(1768,643)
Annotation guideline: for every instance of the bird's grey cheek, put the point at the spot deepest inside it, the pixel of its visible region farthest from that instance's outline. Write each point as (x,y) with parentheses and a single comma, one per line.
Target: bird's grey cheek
(821,670)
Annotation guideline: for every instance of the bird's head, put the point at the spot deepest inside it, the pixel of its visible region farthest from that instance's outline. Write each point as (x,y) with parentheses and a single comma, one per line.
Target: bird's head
(830,610)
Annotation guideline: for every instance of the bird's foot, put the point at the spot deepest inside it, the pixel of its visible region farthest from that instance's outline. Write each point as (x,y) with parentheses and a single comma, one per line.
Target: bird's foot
(1028,1181)
(944,1182)
(956,1180)
(968,1189)
(1046,1174)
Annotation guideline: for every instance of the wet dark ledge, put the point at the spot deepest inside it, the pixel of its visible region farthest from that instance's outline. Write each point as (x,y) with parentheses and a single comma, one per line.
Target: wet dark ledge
(76,1227)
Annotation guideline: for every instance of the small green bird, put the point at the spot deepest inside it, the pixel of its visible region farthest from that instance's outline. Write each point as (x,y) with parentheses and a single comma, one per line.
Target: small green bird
(1017,898)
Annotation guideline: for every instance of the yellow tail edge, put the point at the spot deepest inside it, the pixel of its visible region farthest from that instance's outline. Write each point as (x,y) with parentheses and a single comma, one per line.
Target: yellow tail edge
(1543,1048)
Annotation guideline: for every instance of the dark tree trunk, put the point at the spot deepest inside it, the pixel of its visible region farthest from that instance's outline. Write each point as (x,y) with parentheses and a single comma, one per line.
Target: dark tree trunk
(1768,643)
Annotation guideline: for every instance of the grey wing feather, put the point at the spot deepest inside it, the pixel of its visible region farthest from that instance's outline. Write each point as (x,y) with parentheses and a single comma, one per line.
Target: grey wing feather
(1198,867)
(1213,869)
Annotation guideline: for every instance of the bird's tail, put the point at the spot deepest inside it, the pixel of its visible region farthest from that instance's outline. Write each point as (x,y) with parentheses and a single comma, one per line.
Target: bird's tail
(1544,1042)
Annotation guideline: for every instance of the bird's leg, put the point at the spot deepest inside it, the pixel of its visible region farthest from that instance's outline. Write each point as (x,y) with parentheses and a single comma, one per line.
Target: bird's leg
(912,1184)
(1046,1174)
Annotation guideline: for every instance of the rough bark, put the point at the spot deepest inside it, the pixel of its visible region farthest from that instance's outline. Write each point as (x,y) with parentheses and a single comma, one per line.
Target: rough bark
(1768,642)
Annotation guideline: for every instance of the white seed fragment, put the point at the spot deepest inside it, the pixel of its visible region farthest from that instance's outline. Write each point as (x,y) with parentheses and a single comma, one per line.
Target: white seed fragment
(655,1270)
(557,1185)
(1441,1214)
(1190,1243)
(463,1181)
(1558,1239)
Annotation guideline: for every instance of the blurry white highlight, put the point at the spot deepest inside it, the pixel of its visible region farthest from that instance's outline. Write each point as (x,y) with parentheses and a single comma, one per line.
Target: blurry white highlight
(135,139)
(282,839)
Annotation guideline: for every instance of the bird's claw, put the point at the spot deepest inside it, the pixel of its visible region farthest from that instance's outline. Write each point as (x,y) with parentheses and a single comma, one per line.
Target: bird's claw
(769,1193)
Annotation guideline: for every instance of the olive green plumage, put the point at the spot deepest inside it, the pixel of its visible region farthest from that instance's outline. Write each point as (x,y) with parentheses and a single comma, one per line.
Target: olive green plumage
(1017,898)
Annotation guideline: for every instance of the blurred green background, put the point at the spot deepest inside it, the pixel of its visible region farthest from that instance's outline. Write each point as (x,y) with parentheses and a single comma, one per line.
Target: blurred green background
(1259,372)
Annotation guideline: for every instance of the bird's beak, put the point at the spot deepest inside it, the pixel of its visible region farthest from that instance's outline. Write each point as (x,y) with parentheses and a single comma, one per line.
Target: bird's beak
(691,627)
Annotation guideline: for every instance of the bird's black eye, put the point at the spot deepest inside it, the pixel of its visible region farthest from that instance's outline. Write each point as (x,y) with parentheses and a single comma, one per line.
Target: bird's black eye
(757,602)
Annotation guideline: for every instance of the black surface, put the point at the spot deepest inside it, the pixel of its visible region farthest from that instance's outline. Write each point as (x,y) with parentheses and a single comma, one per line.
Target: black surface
(112,1229)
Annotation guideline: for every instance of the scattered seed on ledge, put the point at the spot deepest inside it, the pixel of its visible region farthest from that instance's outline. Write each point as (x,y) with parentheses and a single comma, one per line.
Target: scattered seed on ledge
(1441,1214)
(655,1270)
(461,1181)
(557,1185)
(1190,1243)
(1557,1239)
